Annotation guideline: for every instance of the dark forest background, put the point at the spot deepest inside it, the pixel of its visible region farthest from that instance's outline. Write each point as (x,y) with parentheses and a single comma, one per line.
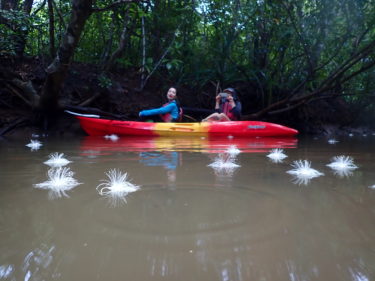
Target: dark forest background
(303,63)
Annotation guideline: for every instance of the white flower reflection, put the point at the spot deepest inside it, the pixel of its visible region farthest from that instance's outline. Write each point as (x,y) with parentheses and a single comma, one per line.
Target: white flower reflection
(303,172)
(34,145)
(59,181)
(277,155)
(343,173)
(57,160)
(116,187)
(6,271)
(224,164)
(357,275)
(332,141)
(112,137)
(342,165)
(233,150)
(36,261)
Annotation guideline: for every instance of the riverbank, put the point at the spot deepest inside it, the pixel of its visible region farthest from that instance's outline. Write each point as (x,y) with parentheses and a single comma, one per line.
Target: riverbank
(118,93)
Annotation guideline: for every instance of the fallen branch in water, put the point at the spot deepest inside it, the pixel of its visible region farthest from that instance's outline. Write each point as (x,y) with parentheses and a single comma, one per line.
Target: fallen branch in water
(89,100)
(19,122)
(14,91)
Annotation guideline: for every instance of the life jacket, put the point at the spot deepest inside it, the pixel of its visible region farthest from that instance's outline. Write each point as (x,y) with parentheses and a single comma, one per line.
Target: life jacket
(167,117)
(226,108)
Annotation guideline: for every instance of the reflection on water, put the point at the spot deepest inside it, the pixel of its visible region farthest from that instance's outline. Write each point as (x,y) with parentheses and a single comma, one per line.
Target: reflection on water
(225,164)
(6,271)
(169,160)
(189,220)
(37,261)
(99,145)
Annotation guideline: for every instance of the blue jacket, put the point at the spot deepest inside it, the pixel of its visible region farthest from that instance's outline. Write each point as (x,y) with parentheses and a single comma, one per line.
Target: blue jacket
(170,108)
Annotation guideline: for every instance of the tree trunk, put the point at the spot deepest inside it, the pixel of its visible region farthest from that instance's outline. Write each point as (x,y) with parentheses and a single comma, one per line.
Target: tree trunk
(57,70)
(51,17)
(121,46)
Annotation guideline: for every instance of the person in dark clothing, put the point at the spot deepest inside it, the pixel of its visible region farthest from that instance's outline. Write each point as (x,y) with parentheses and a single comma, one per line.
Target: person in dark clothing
(227,107)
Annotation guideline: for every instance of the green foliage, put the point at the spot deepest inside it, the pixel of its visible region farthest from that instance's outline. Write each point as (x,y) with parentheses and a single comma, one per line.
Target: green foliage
(104,81)
(14,25)
(273,46)
(7,48)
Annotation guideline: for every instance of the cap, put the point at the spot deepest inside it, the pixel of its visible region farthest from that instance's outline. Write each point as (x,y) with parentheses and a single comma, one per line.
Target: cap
(230,90)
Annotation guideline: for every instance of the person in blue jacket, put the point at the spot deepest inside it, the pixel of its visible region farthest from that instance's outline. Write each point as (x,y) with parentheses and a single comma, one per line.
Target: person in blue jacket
(169,112)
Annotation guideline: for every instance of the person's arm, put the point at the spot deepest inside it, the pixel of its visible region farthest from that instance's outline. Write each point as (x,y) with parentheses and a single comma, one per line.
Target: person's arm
(236,110)
(161,110)
(217,104)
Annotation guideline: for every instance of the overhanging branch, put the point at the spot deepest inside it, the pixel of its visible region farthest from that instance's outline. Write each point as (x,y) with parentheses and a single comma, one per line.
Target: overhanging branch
(114,5)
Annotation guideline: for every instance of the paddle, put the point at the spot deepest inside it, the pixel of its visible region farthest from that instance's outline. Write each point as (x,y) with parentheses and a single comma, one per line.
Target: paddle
(83,115)
(94,113)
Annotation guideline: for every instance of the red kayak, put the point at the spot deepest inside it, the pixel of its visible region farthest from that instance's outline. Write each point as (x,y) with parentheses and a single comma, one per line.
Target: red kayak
(101,127)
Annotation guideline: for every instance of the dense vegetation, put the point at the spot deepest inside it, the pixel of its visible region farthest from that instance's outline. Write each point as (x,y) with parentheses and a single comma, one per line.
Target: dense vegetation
(289,59)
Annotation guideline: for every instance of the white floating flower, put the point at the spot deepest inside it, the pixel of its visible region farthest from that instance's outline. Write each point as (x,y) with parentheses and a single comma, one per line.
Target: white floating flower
(224,164)
(59,181)
(332,141)
(116,186)
(57,160)
(277,155)
(233,150)
(303,172)
(342,162)
(34,145)
(112,137)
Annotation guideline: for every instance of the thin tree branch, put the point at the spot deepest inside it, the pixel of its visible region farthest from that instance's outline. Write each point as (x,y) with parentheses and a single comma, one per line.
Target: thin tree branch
(90,100)
(59,14)
(114,5)
(121,45)
(143,52)
(349,63)
(302,38)
(160,60)
(362,69)
(18,94)
(39,8)
(23,121)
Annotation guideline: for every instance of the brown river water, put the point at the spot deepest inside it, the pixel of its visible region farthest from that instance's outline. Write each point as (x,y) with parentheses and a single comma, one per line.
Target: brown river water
(244,218)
